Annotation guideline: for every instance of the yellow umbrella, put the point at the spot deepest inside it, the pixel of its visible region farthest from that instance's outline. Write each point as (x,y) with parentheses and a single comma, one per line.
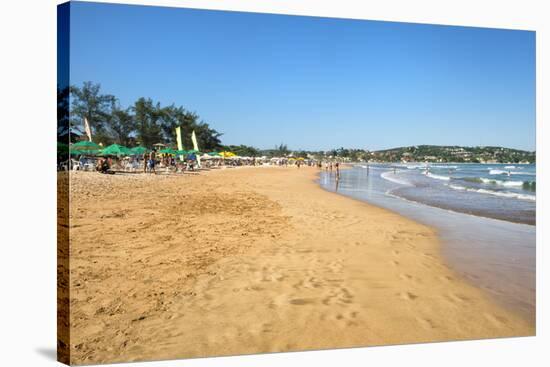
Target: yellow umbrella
(227,154)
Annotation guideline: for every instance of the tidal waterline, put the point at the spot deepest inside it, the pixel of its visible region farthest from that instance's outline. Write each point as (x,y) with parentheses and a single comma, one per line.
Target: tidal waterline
(493,254)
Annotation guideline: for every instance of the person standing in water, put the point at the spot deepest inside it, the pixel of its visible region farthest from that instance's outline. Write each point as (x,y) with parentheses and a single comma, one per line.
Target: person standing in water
(337,170)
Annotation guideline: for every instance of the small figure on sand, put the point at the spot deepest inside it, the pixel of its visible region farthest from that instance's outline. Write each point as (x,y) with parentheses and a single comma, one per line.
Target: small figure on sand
(151,163)
(145,161)
(104,166)
(337,170)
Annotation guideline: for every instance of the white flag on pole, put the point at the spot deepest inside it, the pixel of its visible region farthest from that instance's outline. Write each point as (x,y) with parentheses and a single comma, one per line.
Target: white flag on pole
(196,147)
(87,129)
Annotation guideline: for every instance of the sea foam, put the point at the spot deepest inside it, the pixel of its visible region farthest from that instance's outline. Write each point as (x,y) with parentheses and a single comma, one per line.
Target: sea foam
(392,177)
(505,194)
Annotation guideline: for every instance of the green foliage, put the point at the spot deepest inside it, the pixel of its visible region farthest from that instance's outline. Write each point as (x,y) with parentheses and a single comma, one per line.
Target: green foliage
(147,116)
(458,154)
(88,103)
(242,150)
(145,122)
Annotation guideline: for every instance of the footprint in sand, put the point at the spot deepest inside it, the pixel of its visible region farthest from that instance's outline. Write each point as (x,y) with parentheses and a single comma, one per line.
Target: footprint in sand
(408,296)
(345,318)
(301,301)
(458,298)
(338,296)
(309,283)
(446,278)
(496,320)
(426,323)
(336,266)
(269,275)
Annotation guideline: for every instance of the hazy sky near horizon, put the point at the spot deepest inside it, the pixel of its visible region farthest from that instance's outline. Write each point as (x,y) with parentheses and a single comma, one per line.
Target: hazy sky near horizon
(314,83)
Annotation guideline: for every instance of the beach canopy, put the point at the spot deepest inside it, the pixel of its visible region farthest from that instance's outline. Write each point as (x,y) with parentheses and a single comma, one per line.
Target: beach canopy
(115,149)
(139,150)
(181,152)
(214,154)
(85,145)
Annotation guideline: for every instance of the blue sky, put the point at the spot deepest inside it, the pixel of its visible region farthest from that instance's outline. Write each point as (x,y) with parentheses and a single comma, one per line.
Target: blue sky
(314,83)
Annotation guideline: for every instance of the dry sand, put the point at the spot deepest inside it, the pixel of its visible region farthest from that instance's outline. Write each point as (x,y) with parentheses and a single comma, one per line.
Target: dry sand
(253,260)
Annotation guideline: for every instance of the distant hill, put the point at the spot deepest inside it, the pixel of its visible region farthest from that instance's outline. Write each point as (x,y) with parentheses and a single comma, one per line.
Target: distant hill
(436,153)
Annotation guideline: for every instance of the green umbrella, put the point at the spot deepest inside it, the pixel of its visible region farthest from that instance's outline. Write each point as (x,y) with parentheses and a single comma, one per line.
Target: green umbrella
(181,152)
(86,145)
(214,154)
(115,149)
(139,150)
(192,151)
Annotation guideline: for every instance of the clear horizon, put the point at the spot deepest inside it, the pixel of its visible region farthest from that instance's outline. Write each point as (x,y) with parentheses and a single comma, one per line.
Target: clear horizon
(314,83)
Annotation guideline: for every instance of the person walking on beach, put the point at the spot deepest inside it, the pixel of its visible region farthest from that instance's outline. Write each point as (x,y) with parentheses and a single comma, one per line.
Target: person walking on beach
(337,170)
(152,157)
(145,160)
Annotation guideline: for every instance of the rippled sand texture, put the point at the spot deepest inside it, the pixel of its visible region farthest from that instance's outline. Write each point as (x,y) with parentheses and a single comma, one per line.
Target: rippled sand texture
(253,260)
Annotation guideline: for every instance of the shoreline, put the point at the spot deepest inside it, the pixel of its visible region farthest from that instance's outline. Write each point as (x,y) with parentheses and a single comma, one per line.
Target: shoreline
(318,271)
(472,267)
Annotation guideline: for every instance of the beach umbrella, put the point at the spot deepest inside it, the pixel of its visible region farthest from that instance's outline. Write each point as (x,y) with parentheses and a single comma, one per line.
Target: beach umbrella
(227,154)
(115,149)
(181,152)
(214,154)
(86,145)
(139,150)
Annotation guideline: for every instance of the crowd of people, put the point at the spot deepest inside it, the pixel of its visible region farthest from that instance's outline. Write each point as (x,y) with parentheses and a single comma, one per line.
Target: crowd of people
(153,162)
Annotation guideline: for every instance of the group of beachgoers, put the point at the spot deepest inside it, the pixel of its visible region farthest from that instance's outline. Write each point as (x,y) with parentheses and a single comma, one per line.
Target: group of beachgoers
(150,162)
(331,167)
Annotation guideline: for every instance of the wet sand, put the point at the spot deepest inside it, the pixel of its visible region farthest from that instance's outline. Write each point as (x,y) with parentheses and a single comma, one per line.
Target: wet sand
(252,260)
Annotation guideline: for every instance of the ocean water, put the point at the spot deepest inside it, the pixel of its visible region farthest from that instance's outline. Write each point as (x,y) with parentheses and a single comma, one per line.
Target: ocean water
(499,191)
(483,215)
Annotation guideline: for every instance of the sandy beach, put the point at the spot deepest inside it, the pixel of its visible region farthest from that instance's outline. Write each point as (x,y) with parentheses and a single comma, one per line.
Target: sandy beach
(251,260)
